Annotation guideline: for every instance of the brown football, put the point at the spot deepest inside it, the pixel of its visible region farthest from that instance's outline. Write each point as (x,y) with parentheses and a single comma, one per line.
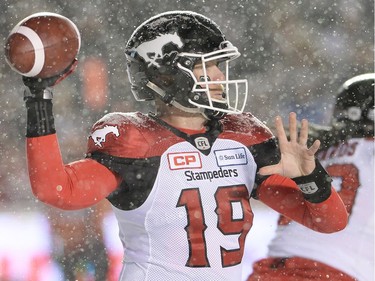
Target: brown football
(42,45)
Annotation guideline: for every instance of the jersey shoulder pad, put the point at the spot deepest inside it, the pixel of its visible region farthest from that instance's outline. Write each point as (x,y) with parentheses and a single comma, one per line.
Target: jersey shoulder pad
(129,135)
(245,128)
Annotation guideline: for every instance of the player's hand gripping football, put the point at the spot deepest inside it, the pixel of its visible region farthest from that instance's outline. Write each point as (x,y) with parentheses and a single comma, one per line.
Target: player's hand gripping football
(296,158)
(37,85)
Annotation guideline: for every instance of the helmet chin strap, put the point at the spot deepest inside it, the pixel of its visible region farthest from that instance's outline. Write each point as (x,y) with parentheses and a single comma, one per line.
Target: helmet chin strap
(211,114)
(172,102)
(158,90)
(206,113)
(187,109)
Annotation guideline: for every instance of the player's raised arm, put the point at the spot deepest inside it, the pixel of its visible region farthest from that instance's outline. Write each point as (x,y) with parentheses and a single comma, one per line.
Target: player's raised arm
(298,163)
(46,57)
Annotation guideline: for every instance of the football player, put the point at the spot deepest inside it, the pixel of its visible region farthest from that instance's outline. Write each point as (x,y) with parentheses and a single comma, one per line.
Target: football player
(180,178)
(296,253)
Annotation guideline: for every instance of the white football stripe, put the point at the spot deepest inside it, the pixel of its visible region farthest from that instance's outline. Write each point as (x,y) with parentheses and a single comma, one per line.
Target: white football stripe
(38,50)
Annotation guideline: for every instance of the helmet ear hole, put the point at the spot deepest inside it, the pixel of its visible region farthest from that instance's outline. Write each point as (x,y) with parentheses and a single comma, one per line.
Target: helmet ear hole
(138,81)
(164,81)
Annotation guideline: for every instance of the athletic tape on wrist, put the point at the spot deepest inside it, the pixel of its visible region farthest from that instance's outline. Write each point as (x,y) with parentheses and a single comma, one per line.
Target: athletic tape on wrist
(34,93)
(40,120)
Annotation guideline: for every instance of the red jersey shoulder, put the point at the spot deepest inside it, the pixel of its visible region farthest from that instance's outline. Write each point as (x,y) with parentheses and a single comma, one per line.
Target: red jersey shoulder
(129,135)
(245,128)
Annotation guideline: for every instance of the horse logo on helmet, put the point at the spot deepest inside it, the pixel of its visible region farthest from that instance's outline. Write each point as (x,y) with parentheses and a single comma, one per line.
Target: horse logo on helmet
(152,51)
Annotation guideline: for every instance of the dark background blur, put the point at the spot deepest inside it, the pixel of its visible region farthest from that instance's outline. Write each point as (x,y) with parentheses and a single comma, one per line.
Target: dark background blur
(295,55)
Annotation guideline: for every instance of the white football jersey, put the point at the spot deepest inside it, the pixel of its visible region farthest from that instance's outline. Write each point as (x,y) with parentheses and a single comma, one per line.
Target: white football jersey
(351,250)
(170,229)
(183,206)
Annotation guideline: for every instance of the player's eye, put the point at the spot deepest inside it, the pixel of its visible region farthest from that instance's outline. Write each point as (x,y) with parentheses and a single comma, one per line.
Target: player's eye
(203,78)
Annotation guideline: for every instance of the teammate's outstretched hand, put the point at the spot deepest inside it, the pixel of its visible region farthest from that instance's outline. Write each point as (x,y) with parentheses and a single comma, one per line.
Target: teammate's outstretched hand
(296,158)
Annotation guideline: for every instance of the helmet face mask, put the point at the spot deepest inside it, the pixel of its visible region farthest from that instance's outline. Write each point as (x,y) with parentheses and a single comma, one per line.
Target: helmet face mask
(234,96)
(162,53)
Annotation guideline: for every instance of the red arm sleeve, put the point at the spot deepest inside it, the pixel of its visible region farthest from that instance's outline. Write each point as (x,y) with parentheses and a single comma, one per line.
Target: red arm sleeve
(76,185)
(284,196)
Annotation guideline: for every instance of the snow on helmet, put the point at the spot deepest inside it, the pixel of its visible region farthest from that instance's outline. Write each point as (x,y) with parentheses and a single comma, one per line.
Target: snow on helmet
(161,55)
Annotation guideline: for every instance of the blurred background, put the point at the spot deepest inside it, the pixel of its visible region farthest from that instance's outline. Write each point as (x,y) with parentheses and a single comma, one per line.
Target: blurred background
(295,55)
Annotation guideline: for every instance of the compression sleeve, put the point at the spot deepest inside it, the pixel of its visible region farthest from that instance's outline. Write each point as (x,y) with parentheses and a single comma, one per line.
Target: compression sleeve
(73,186)
(284,196)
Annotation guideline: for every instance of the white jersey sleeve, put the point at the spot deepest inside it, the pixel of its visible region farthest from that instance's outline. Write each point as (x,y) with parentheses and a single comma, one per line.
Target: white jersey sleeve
(351,250)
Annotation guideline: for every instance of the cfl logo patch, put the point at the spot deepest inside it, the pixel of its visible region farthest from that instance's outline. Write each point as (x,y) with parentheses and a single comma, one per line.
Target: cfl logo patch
(308,188)
(184,160)
(202,143)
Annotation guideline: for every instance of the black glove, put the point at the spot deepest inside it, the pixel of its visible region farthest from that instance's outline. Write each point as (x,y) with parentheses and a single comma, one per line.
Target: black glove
(38,97)
(36,87)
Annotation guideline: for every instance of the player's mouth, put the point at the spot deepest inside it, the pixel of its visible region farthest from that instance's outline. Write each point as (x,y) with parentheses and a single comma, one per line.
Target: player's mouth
(217,92)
